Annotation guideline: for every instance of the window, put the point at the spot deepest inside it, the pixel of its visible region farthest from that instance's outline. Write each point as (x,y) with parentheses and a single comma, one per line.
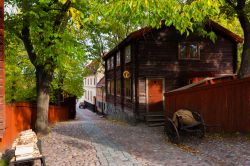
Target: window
(90,81)
(112,87)
(108,87)
(127,54)
(127,87)
(99,91)
(112,63)
(118,58)
(118,87)
(108,64)
(91,96)
(189,51)
(94,81)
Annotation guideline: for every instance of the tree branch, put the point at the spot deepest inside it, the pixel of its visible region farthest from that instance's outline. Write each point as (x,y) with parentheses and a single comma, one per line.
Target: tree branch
(241,4)
(230,2)
(61,14)
(25,35)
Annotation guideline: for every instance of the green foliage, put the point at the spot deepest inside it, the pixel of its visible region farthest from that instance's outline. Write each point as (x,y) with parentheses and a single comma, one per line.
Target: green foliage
(56,42)
(19,72)
(184,16)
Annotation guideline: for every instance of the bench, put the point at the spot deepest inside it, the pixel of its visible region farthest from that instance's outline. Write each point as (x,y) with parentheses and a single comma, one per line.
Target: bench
(27,161)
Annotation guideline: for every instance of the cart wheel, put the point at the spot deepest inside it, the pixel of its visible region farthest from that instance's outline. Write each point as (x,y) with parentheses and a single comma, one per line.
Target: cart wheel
(201,131)
(172,132)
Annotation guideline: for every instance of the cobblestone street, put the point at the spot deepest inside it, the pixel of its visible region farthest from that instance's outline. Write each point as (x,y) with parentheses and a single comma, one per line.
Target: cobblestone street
(92,140)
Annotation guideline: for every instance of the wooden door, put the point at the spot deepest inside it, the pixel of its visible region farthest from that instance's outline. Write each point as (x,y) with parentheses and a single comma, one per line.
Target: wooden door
(155,95)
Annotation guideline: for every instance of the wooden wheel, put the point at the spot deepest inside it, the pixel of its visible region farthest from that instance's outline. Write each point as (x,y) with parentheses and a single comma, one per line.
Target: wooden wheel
(200,130)
(172,132)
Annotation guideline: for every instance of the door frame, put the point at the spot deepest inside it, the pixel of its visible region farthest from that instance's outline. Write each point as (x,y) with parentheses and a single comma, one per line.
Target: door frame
(163,91)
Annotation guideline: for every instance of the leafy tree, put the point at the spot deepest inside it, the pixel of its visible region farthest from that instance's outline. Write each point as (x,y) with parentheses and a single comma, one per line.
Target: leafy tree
(105,34)
(18,70)
(48,30)
(184,16)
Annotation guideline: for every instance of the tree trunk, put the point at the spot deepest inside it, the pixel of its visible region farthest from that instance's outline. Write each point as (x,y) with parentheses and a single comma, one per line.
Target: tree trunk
(245,59)
(44,79)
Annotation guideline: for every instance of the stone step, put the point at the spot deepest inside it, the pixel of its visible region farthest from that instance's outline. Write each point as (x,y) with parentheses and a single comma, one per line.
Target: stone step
(155,115)
(156,124)
(156,120)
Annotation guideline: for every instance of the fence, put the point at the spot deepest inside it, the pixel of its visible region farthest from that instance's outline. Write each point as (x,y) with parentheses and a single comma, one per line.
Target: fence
(224,106)
(21,116)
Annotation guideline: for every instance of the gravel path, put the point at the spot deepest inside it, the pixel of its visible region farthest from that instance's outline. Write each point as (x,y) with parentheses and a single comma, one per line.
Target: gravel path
(91,140)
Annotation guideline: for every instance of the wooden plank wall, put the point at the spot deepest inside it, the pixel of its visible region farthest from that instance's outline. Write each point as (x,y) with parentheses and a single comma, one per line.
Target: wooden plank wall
(2,118)
(158,57)
(21,116)
(224,106)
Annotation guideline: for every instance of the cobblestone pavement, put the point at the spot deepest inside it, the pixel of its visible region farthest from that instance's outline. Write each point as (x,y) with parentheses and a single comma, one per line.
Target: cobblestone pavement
(92,140)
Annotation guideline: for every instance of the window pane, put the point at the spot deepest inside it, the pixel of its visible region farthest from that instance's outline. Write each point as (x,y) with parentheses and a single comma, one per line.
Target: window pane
(112,87)
(127,54)
(193,51)
(118,58)
(112,63)
(118,87)
(108,87)
(183,51)
(189,51)
(128,87)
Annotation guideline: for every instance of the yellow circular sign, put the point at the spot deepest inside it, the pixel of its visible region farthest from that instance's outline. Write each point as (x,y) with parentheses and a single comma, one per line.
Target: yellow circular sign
(126,74)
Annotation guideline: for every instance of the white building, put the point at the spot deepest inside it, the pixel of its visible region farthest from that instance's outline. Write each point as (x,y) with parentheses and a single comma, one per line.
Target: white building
(95,73)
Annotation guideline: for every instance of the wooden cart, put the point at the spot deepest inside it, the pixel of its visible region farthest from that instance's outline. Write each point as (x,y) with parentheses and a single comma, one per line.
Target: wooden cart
(174,132)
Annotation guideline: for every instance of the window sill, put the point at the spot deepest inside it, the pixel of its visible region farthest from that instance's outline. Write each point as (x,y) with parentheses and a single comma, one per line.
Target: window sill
(128,98)
(189,59)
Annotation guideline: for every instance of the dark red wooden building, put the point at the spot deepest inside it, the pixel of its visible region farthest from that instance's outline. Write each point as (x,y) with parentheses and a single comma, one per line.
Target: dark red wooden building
(152,61)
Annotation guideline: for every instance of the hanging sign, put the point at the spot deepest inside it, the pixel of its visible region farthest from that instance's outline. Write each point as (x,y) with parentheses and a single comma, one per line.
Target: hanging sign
(126,74)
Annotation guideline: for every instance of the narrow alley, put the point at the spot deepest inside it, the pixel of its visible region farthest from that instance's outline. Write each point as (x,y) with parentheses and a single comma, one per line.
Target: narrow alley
(92,140)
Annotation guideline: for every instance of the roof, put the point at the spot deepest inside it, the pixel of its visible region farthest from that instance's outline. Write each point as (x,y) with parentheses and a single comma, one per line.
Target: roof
(208,80)
(134,35)
(93,66)
(101,83)
(144,31)
(225,31)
